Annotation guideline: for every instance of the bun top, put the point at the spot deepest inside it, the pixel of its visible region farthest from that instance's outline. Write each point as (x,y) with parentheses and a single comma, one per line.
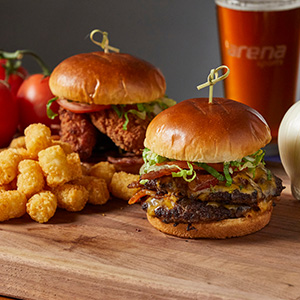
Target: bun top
(198,131)
(107,78)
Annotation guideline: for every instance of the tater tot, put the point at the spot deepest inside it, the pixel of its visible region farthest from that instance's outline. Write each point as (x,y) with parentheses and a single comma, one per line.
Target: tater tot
(71,197)
(24,153)
(18,142)
(104,170)
(66,146)
(55,166)
(9,161)
(97,188)
(42,206)
(30,179)
(74,165)
(98,191)
(12,205)
(37,138)
(119,183)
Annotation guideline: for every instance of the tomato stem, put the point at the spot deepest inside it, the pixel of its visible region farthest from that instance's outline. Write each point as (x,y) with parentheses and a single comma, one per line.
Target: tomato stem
(18,55)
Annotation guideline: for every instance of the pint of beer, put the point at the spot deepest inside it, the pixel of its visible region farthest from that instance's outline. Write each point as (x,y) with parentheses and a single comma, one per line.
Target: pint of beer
(260,43)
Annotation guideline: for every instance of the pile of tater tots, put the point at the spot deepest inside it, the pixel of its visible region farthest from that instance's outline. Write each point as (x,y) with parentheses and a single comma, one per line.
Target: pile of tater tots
(39,173)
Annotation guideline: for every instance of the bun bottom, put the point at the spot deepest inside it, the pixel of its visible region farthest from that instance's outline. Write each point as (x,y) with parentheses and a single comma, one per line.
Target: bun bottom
(216,230)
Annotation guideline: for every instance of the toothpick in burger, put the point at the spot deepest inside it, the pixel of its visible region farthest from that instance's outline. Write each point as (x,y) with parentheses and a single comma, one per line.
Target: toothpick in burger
(204,174)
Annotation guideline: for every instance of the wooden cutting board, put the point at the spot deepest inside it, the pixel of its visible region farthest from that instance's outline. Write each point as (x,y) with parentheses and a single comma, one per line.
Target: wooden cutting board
(111,252)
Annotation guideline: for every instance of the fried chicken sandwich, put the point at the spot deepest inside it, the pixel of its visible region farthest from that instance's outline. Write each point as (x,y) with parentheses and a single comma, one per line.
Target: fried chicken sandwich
(114,93)
(204,174)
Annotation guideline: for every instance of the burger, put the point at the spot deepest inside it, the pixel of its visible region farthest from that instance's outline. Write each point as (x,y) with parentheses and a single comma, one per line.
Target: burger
(204,174)
(107,98)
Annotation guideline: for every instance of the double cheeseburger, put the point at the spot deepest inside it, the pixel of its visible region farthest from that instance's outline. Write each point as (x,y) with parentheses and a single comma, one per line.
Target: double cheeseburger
(115,94)
(203,174)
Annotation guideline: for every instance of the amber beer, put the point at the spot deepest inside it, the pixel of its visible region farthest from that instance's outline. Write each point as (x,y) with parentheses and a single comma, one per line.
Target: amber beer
(261,44)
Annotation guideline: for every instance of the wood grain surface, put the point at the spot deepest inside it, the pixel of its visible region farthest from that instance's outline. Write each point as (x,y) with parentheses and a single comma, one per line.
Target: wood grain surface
(111,252)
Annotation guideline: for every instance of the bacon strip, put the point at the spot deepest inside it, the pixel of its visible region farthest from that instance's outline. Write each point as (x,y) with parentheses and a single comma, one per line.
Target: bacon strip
(136,197)
(202,181)
(156,174)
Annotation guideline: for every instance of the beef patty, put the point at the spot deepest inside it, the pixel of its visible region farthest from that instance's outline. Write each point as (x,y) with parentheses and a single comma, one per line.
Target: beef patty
(192,211)
(175,202)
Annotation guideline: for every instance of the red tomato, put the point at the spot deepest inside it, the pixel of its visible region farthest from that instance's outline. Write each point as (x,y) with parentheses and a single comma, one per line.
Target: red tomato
(8,115)
(32,98)
(81,108)
(16,77)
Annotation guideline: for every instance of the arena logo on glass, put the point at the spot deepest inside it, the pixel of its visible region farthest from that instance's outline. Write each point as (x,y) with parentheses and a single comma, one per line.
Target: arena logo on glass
(265,55)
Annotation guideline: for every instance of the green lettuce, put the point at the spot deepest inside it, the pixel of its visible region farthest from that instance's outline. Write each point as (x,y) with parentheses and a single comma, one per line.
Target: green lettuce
(143,109)
(211,171)
(150,160)
(185,173)
(50,113)
(250,162)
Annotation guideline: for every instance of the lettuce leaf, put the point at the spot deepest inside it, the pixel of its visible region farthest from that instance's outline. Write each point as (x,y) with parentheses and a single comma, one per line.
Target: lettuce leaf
(211,171)
(143,109)
(50,113)
(249,162)
(185,173)
(150,160)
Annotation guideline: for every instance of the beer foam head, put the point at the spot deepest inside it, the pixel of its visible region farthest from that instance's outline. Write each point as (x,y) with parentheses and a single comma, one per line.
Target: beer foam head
(258,5)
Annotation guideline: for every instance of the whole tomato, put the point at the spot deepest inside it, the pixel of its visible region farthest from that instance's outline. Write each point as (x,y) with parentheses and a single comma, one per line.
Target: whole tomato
(32,98)
(8,115)
(13,73)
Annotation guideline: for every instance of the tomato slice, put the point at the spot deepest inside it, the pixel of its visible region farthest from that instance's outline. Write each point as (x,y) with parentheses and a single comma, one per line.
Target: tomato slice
(81,108)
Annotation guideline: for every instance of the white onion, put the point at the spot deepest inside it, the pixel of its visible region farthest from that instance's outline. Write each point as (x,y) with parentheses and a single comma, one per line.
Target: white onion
(289,146)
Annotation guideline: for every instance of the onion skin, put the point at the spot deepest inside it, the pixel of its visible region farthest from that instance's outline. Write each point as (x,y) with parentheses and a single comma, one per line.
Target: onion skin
(289,146)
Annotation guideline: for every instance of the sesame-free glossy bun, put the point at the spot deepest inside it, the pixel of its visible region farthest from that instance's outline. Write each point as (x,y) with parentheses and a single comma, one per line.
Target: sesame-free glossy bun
(216,230)
(198,131)
(107,78)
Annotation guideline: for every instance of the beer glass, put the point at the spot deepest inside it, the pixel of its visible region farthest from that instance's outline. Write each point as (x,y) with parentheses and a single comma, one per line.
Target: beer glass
(260,43)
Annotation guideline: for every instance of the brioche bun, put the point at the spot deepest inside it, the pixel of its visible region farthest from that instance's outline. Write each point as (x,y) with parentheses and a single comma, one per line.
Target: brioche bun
(216,230)
(107,78)
(198,131)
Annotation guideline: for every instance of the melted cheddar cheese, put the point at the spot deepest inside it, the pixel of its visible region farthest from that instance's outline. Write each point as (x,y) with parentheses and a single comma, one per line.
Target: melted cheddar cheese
(245,182)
